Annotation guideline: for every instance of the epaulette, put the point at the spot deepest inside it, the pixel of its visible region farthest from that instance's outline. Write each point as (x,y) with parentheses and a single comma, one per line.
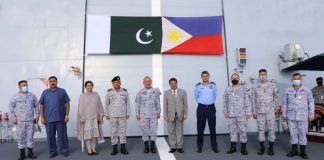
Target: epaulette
(109,90)
(124,89)
(212,83)
(198,84)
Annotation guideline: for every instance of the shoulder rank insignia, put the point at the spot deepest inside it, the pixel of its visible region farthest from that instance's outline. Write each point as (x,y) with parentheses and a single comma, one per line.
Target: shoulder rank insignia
(212,83)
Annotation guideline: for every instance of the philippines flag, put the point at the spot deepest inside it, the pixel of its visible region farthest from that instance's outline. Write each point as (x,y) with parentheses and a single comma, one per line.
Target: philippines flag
(192,35)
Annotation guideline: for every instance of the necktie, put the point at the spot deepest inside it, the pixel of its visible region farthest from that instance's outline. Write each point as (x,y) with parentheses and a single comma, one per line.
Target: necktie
(174,94)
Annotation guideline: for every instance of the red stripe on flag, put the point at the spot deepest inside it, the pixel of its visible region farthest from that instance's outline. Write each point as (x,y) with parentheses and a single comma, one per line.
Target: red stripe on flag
(200,45)
(45,81)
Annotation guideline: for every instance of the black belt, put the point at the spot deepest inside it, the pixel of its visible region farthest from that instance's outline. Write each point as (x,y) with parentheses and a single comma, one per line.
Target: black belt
(206,105)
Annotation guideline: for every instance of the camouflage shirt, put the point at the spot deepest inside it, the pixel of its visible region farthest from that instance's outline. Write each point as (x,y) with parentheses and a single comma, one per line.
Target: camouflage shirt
(264,98)
(148,102)
(236,101)
(298,105)
(117,103)
(23,107)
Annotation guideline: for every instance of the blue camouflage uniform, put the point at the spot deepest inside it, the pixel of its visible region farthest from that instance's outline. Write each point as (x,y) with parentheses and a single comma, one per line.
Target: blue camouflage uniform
(147,106)
(237,106)
(264,98)
(24,108)
(298,105)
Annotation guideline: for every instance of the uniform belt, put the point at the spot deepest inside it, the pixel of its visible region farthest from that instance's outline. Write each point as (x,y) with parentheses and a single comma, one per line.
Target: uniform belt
(206,105)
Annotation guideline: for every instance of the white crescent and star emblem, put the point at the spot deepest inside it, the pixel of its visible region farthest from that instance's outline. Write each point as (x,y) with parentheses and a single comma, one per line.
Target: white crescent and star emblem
(148,34)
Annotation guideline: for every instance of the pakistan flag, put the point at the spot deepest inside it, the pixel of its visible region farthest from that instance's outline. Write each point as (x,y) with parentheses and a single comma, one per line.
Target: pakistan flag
(135,35)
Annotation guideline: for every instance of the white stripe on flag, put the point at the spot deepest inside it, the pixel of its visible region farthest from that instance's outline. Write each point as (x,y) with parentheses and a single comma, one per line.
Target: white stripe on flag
(98,34)
(172,35)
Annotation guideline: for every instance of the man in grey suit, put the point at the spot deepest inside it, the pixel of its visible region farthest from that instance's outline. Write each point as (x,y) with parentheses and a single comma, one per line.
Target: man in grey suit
(175,112)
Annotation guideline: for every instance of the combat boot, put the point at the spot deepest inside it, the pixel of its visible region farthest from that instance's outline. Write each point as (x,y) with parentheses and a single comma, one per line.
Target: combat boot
(232,149)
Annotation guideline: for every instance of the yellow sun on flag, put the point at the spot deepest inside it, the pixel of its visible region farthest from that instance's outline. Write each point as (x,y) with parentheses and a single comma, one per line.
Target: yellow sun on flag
(174,35)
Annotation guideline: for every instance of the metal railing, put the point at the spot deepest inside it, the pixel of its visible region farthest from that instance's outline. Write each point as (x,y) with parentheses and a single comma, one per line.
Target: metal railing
(7,134)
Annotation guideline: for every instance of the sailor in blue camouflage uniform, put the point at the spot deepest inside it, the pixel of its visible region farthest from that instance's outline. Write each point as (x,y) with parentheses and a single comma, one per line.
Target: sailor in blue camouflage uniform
(117,110)
(237,110)
(298,109)
(148,111)
(264,97)
(24,112)
(205,95)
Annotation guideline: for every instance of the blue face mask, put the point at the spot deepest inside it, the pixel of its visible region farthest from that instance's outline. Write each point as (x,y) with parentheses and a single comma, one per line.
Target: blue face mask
(263,78)
(24,88)
(296,82)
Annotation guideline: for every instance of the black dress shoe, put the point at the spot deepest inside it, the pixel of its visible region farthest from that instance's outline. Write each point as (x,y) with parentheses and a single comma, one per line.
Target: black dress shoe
(180,150)
(65,154)
(94,153)
(52,155)
(215,149)
(199,150)
(90,154)
(172,150)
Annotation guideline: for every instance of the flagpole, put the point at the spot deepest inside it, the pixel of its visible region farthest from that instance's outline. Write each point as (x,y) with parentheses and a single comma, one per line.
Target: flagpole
(225,40)
(84,43)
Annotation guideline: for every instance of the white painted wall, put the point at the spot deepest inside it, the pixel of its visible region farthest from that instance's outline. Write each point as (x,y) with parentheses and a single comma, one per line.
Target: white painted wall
(39,39)
(43,38)
(263,27)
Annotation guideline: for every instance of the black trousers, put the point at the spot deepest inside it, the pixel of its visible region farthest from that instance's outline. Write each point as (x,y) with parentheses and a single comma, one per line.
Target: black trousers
(204,113)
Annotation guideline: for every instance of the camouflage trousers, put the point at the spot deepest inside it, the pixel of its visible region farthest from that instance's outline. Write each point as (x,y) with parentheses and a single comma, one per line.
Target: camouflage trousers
(149,128)
(237,125)
(298,131)
(266,122)
(25,134)
(118,129)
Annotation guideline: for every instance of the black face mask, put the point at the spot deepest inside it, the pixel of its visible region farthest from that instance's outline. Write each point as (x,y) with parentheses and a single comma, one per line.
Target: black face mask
(235,81)
(319,83)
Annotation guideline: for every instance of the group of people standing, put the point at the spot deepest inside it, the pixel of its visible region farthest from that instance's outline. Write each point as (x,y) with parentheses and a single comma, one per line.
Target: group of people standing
(238,106)
(53,108)
(297,109)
